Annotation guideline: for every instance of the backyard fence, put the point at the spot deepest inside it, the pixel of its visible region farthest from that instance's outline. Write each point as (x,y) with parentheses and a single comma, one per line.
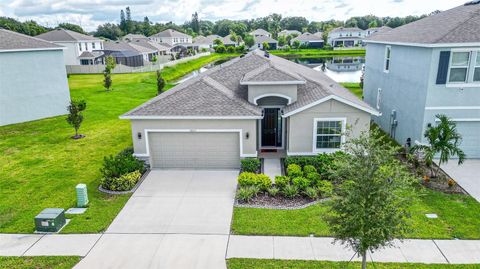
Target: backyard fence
(162,62)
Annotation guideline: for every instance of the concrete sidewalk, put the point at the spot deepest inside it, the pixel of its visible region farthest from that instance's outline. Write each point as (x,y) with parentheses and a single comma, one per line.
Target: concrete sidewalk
(215,247)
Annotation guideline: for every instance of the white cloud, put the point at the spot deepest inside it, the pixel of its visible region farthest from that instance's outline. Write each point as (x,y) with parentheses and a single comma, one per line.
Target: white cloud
(90,13)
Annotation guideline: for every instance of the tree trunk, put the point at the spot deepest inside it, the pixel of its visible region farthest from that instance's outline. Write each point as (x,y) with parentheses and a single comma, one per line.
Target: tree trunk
(364,260)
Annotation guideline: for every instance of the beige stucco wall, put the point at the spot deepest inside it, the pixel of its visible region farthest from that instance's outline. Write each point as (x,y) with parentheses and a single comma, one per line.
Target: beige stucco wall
(258,90)
(249,145)
(300,126)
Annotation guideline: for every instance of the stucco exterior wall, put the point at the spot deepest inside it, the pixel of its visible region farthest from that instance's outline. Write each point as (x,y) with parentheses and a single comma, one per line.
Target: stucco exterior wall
(403,88)
(33,85)
(249,144)
(255,91)
(300,126)
(70,53)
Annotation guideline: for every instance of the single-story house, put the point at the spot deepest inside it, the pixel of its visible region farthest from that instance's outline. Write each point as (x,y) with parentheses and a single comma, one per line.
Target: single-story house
(123,53)
(289,32)
(33,79)
(252,103)
(260,32)
(259,40)
(309,40)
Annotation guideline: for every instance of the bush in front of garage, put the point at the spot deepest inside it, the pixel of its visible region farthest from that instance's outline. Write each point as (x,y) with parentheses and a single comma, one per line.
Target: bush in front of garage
(122,171)
(250,165)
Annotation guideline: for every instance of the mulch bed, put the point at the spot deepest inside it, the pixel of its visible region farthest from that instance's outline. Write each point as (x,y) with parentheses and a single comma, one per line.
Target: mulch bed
(278,202)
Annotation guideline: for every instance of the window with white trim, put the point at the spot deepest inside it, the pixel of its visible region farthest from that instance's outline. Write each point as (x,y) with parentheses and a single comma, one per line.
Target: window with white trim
(80,46)
(388,52)
(459,66)
(93,45)
(329,134)
(476,71)
(379,97)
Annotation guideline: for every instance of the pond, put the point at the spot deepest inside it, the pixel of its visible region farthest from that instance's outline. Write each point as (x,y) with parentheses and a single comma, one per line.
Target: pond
(199,71)
(340,69)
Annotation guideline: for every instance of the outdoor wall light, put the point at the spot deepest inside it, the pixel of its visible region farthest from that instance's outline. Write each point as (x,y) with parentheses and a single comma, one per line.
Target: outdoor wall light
(247,135)
(139,135)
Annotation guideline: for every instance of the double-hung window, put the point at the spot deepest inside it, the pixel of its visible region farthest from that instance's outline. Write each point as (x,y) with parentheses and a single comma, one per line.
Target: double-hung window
(329,134)
(80,46)
(388,54)
(93,45)
(476,72)
(459,67)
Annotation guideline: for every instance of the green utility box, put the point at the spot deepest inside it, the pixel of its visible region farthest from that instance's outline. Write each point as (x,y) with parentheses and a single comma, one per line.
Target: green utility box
(50,220)
(82,195)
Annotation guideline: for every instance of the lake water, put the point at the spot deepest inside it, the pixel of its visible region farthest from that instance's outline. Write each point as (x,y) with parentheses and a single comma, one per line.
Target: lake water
(340,69)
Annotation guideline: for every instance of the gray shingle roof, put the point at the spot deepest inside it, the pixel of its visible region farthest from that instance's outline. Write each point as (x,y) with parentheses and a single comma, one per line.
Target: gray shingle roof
(262,38)
(170,33)
(268,72)
(60,35)
(308,37)
(14,41)
(289,32)
(457,25)
(92,54)
(346,29)
(218,92)
(260,31)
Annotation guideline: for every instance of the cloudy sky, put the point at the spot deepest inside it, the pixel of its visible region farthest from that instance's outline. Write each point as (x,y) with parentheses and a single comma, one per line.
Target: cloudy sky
(90,13)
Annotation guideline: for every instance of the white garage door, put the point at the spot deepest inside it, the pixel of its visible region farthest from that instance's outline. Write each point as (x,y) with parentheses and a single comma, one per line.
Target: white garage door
(470,132)
(197,150)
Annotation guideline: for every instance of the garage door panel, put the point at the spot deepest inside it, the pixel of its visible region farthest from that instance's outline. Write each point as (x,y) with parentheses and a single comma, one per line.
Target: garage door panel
(195,150)
(470,132)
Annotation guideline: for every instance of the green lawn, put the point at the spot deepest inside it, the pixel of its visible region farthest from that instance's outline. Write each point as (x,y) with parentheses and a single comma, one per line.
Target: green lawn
(41,165)
(305,53)
(291,264)
(41,262)
(459,217)
(354,87)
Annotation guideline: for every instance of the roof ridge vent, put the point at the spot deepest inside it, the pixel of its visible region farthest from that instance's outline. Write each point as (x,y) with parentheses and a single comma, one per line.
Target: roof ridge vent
(474,2)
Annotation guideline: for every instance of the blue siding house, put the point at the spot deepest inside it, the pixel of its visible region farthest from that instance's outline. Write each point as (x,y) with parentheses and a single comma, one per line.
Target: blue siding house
(425,68)
(33,79)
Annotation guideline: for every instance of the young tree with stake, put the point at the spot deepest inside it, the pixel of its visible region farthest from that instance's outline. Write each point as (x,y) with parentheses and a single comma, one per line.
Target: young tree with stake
(160,83)
(75,117)
(107,73)
(370,206)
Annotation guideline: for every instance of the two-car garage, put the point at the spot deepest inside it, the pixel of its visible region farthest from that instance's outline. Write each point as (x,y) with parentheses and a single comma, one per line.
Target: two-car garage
(194,149)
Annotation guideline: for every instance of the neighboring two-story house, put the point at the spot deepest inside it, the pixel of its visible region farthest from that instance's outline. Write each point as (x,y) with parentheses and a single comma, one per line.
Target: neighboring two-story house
(345,37)
(171,37)
(425,68)
(80,49)
(33,79)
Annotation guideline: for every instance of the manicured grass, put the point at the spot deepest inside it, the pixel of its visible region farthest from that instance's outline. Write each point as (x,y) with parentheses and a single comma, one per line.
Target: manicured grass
(305,53)
(40,165)
(291,264)
(43,262)
(354,88)
(458,217)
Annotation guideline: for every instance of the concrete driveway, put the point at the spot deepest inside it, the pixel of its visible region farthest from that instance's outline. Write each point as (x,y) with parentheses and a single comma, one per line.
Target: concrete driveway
(175,219)
(467,175)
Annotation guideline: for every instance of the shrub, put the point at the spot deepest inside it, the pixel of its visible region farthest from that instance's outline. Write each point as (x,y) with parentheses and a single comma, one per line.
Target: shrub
(325,188)
(250,165)
(290,191)
(273,191)
(323,163)
(294,170)
(311,193)
(230,49)
(220,49)
(314,177)
(246,194)
(121,164)
(246,179)
(125,182)
(301,183)
(240,48)
(281,182)
(307,169)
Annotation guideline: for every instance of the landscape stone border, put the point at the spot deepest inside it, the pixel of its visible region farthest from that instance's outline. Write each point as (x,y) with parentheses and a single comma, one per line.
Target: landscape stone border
(142,178)
(237,204)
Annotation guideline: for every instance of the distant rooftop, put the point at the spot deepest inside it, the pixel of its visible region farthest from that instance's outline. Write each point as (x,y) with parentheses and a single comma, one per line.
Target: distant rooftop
(14,41)
(260,31)
(171,33)
(346,29)
(59,35)
(457,25)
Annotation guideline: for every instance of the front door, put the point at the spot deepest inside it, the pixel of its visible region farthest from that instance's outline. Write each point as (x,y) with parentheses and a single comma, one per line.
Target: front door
(272,128)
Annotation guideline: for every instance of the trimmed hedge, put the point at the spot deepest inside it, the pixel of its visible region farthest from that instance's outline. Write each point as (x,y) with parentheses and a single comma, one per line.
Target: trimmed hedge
(246,179)
(122,171)
(323,163)
(250,165)
(123,183)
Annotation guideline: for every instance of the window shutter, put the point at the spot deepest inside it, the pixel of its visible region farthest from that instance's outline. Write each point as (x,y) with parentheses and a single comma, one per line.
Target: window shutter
(443,67)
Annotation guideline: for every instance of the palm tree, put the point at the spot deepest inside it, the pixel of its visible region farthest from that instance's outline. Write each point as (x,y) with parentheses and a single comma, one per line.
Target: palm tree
(443,140)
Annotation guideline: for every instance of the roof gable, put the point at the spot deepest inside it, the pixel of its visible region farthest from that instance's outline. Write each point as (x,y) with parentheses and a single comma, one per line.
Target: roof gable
(10,41)
(59,35)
